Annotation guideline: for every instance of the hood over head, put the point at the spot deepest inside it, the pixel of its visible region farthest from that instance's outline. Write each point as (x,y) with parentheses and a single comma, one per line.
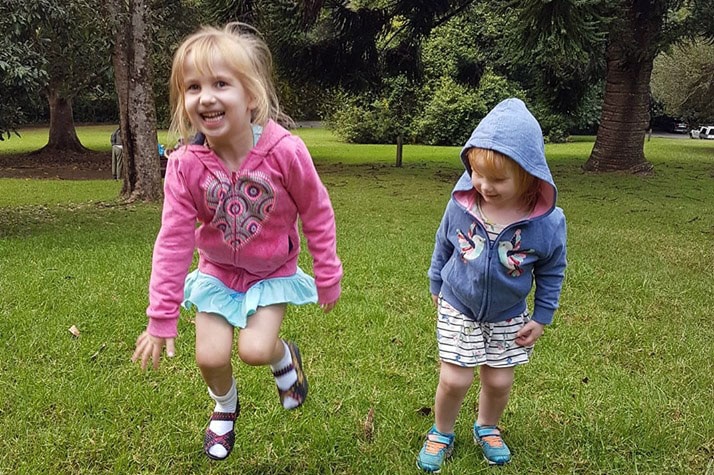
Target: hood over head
(510,128)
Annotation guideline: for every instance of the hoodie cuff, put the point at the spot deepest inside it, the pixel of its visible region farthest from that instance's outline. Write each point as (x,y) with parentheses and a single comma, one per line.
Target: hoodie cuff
(326,295)
(163,327)
(435,287)
(544,317)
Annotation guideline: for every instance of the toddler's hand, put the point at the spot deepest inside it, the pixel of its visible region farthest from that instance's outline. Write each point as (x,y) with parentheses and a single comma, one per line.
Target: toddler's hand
(530,332)
(326,307)
(435,299)
(148,346)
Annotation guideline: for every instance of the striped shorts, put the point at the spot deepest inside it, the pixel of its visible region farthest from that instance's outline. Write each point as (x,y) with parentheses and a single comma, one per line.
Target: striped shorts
(468,343)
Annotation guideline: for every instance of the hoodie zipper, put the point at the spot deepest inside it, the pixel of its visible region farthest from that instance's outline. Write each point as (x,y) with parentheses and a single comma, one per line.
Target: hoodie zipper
(233,247)
(485,301)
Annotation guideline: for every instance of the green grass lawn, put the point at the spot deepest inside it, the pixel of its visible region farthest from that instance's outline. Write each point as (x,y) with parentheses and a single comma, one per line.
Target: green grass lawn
(621,383)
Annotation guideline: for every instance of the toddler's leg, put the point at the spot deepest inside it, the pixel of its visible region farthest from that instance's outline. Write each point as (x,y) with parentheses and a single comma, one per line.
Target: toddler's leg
(496,386)
(214,341)
(454,383)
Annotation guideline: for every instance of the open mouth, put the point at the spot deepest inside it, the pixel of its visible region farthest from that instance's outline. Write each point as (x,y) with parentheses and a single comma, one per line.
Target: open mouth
(212,116)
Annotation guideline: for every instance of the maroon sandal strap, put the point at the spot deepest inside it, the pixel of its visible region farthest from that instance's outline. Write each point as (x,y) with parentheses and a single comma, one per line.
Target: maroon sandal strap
(283,371)
(212,439)
(224,416)
(227,440)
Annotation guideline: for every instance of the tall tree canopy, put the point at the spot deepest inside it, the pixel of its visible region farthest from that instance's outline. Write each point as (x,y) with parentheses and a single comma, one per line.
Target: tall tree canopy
(21,71)
(332,42)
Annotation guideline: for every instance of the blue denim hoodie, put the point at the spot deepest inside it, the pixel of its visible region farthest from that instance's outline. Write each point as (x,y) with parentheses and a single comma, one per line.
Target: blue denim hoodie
(489,281)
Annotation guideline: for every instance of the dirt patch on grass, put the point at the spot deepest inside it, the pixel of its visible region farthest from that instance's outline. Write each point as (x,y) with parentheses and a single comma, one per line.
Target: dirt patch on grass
(59,166)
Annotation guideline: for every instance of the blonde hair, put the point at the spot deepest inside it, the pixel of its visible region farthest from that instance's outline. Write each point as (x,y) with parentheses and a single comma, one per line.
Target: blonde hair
(493,164)
(246,55)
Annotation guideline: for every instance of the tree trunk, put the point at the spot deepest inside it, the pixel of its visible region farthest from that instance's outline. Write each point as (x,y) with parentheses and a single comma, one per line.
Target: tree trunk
(63,135)
(624,121)
(133,75)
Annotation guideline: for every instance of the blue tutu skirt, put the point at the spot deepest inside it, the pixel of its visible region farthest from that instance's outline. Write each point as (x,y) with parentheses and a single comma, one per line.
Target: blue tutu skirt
(209,295)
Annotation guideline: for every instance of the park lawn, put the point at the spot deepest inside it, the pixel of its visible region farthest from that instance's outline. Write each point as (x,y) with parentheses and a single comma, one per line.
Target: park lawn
(95,137)
(622,382)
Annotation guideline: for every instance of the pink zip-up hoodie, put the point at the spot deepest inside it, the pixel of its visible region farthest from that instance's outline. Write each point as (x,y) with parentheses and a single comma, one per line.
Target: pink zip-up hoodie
(248,223)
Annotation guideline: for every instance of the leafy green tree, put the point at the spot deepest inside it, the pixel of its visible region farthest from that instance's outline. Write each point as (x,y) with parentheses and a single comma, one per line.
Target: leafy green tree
(683,80)
(636,31)
(21,71)
(56,46)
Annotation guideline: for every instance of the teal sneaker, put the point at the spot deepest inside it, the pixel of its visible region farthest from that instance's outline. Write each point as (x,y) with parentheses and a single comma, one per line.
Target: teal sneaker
(437,448)
(495,450)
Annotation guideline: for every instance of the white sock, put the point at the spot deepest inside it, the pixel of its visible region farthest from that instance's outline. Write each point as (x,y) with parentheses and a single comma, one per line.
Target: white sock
(225,403)
(284,381)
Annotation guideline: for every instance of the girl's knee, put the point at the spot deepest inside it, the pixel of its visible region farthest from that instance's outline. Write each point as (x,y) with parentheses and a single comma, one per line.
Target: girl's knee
(497,380)
(455,381)
(209,359)
(256,353)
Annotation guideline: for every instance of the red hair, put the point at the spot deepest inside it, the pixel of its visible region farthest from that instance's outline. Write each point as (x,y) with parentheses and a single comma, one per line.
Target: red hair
(493,164)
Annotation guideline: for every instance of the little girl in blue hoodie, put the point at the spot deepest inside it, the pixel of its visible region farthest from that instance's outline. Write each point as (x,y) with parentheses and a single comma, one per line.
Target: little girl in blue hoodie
(500,233)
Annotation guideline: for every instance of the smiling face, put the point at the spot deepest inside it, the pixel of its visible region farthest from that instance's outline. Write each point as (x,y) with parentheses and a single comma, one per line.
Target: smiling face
(500,181)
(498,189)
(215,100)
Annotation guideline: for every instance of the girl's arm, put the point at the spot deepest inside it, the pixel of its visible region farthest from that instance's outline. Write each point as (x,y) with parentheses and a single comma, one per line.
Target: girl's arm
(442,252)
(549,275)
(318,224)
(173,254)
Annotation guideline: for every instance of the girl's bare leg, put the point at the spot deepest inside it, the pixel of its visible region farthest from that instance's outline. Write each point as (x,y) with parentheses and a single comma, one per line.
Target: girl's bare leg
(454,383)
(258,342)
(214,343)
(496,384)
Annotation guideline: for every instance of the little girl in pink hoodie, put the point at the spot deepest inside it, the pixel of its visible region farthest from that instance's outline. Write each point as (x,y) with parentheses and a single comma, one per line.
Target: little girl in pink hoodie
(245,183)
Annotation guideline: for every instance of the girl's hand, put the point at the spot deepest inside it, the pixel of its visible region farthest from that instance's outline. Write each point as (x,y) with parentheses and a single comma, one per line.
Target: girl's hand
(530,332)
(435,299)
(326,307)
(148,346)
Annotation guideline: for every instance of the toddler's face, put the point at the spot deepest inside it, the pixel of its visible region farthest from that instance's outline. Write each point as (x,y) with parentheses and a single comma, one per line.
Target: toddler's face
(497,188)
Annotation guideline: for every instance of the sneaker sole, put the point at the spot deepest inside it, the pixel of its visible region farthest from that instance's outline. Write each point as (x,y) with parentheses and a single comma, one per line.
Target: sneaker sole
(446,459)
(428,471)
(490,462)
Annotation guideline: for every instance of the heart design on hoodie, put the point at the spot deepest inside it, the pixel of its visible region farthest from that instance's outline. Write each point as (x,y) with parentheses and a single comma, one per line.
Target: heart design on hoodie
(241,206)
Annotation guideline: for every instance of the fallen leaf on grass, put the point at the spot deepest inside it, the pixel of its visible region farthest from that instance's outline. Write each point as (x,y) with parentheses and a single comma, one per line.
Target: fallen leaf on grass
(96,353)
(424,411)
(368,426)
(74,330)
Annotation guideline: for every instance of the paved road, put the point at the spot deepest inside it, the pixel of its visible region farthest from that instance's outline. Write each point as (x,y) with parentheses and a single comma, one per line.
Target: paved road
(669,135)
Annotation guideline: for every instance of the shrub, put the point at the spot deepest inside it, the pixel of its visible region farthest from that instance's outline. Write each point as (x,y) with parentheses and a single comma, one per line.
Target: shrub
(450,115)
(454,109)
(366,119)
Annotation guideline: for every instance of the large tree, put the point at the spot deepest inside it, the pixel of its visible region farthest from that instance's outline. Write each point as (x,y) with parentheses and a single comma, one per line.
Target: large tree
(683,80)
(635,32)
(64,40)
(634,41)
(145,33)
(131,58)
